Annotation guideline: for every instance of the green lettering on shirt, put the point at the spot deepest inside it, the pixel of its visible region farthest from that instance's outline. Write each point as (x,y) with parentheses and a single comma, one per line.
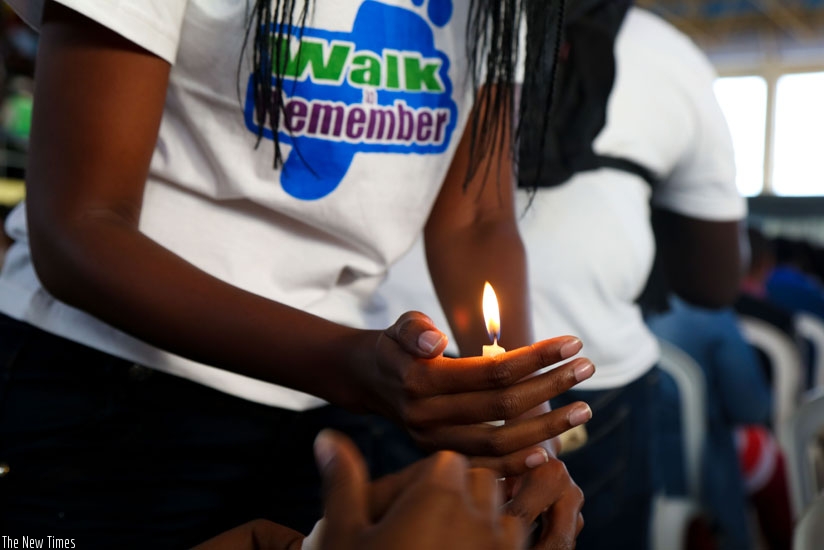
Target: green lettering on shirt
(366,70)
(309,58)
(423,77)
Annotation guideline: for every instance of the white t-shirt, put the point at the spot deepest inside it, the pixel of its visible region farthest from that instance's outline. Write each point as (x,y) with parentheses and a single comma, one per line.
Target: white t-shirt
(377,99)
(589,241)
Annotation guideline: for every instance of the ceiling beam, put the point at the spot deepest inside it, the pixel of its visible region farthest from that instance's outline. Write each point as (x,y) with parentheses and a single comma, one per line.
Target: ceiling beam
(689,24)
(767,17)
(784,18)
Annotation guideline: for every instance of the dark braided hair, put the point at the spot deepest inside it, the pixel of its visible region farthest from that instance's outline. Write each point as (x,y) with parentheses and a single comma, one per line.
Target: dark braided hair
(268,41)
(493,41)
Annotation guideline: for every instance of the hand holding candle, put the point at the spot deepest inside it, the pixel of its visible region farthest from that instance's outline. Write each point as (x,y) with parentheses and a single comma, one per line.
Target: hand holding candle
(470,391)
(571,439)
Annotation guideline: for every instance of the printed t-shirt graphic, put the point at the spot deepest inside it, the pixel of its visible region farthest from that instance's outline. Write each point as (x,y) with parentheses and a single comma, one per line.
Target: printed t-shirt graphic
(381,88)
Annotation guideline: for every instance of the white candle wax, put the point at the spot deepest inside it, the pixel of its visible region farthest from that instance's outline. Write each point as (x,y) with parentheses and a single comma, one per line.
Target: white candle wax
(492,351)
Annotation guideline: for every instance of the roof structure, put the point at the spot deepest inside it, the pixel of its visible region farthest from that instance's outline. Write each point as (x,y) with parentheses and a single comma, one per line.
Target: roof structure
(713,23)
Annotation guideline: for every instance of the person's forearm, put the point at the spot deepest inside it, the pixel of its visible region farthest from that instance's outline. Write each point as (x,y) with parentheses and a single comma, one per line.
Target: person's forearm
(701,258)
(106,267)
(85,183)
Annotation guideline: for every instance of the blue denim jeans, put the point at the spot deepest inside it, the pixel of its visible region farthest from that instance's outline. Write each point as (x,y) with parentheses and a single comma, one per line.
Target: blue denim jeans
(614,468)
(115,455)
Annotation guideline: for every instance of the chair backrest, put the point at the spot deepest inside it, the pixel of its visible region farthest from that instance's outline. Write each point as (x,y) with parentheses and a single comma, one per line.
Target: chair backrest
(689,377)
(672,516)
(799,439)
(811,329)
(809,531)
(785,364)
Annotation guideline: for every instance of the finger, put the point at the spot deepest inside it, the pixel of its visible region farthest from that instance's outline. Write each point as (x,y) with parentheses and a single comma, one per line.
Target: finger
(345,485)
(484,491)
(498,441)
(540,489)
(417,334)
(563,523)
(499,404)
(513,533)
(383,492)
(550,491)
(444,376)
(446,470)
(513,464)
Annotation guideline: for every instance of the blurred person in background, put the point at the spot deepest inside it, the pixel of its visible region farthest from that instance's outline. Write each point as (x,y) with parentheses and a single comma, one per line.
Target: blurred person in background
(782,272)
(18,43)
(791,284)
(761,264)
(753,300)
(737,395)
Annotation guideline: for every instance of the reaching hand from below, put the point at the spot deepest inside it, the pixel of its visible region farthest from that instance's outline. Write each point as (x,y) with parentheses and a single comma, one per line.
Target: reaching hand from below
(438,503)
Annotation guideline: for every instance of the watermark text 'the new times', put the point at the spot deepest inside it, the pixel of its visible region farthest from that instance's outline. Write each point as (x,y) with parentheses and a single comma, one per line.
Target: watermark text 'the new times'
(35,542)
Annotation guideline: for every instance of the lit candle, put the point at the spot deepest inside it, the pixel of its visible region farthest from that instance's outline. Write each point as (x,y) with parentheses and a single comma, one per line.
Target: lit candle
(493,321)
(493,327)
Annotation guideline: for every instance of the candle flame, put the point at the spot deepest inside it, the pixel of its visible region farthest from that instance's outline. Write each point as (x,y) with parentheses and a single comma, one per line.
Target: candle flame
(491,313)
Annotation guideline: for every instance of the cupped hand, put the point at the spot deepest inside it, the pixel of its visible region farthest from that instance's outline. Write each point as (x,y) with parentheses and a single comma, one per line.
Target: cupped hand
(438,503)
(446,403)
(548,491)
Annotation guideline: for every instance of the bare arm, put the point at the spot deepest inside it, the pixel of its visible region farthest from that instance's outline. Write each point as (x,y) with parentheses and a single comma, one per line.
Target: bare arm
(85,187)
(701,259)
(472,237)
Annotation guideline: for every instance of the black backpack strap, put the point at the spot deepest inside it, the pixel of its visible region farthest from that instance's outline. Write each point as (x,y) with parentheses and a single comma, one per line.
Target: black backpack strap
(584,79)
(595,162)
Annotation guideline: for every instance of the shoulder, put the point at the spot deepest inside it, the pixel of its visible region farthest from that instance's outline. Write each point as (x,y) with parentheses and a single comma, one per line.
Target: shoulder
(151,24)
(646,38)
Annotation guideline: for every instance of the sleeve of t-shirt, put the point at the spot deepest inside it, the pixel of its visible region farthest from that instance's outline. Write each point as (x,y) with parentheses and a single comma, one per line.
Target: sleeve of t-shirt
(151,24)
(702,182)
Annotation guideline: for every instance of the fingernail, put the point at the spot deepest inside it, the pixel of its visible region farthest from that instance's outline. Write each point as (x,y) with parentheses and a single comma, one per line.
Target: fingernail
(430,340)
(324,449)
(580,414)
(584,371)
(571,348)
(538,458)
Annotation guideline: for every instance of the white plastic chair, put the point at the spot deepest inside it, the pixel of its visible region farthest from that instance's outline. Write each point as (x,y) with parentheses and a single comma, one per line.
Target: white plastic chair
(811,329)
(800,441)
(785,362)
(809,531)
(671,515)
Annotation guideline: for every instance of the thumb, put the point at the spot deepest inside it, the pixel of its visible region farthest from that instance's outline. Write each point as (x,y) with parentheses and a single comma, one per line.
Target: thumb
(417,335)
(345,487)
